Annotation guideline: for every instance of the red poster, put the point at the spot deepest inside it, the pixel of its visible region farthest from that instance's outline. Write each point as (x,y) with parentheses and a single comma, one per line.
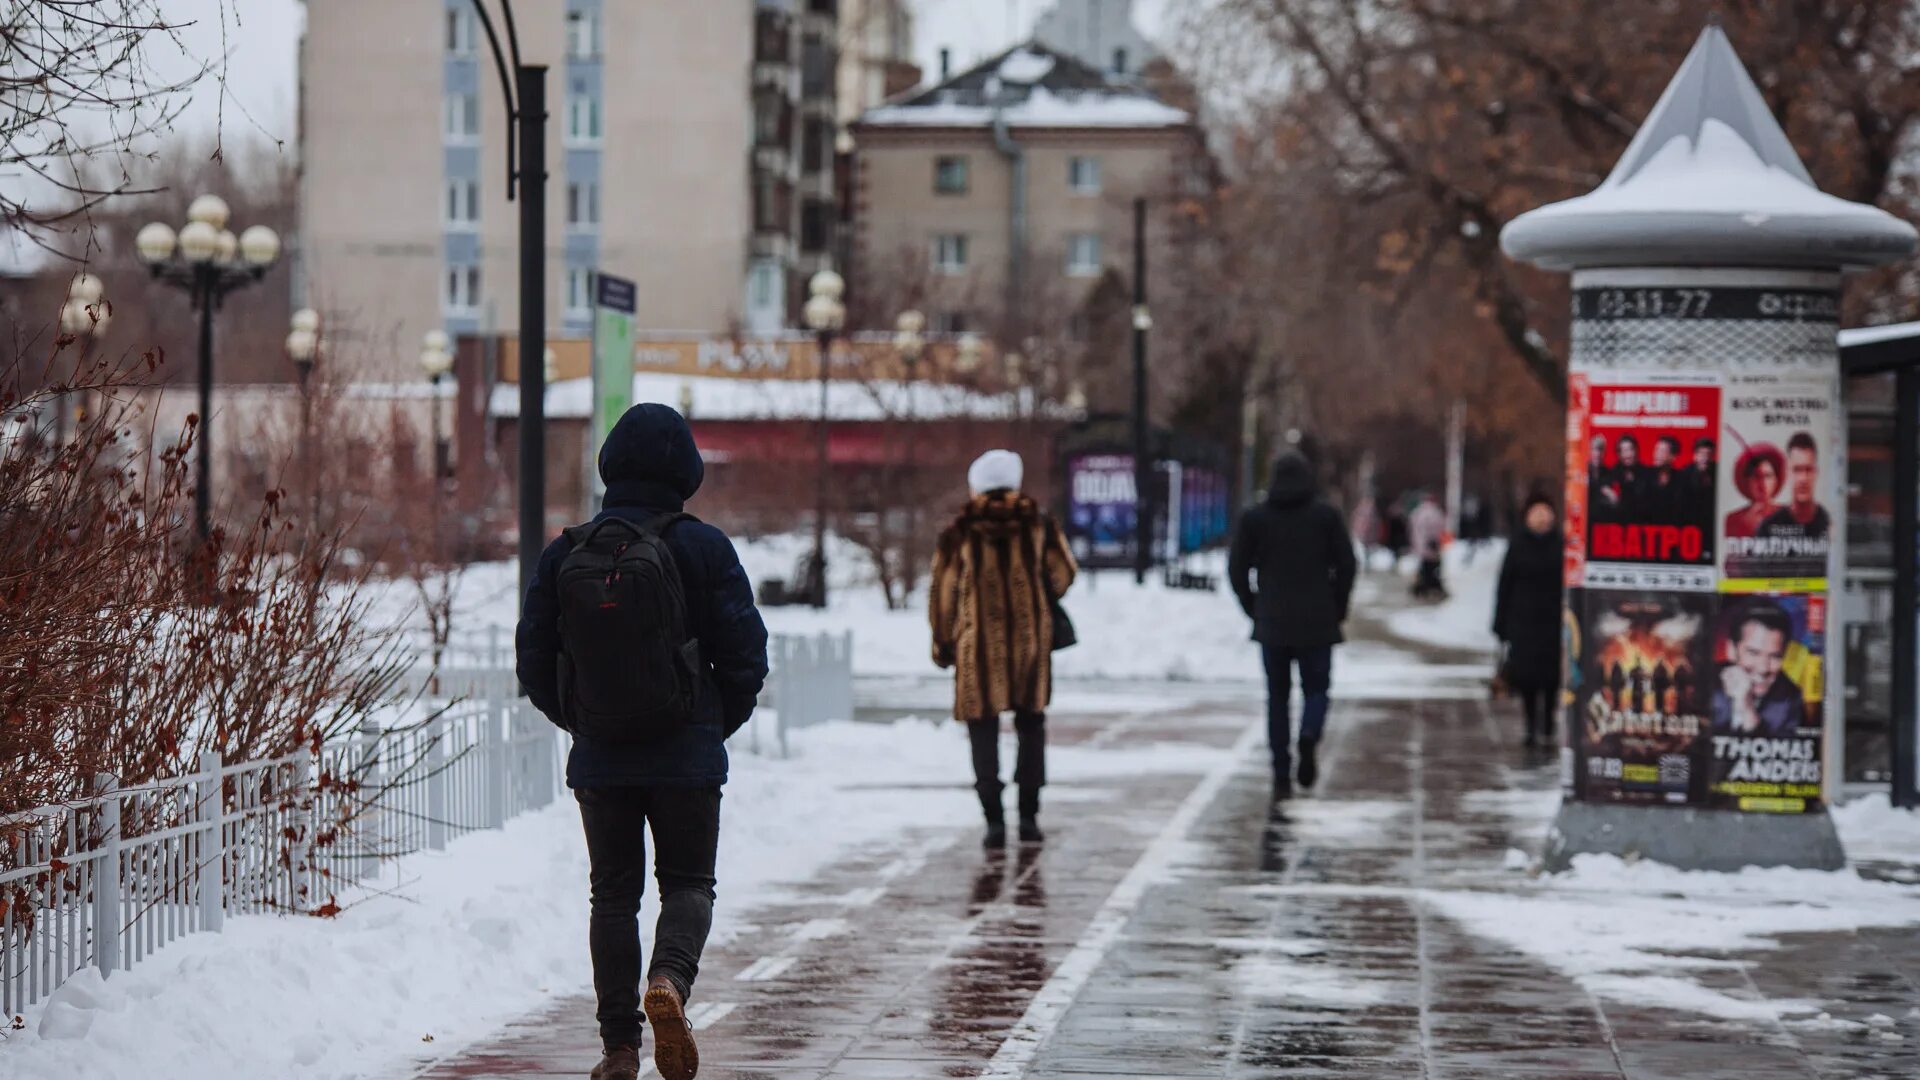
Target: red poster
(1651,479)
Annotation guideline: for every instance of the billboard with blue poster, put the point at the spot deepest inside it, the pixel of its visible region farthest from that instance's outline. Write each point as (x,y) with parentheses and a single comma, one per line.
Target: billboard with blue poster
(1190,496)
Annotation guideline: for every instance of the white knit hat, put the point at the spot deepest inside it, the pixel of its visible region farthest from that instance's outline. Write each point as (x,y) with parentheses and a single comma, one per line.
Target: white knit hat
(994,470)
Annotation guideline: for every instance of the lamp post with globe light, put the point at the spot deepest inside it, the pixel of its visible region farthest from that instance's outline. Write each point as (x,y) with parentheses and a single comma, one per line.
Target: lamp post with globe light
(910,341)
(206,260)
(303,348)
(436,360)
(825,315)
(84,316)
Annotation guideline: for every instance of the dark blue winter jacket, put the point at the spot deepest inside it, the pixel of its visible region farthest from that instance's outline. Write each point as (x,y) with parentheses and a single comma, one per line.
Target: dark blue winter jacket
(651,467)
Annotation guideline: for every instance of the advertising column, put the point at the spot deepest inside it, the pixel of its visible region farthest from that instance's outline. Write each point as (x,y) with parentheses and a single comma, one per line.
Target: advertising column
(613,309)
(1700,536)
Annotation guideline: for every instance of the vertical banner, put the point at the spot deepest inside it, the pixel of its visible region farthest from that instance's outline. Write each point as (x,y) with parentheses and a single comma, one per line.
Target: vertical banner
(613,309)
(1766,698)
(1700,491)
(1100,509)
(1777,532)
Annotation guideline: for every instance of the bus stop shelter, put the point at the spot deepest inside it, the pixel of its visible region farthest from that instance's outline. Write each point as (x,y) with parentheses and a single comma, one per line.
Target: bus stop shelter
(1878,631)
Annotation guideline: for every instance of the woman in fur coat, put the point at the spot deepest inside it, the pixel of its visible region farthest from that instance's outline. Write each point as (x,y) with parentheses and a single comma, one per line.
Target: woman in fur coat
(997,571)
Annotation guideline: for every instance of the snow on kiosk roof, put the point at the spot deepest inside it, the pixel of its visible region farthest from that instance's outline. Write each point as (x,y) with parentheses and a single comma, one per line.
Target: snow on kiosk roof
(1709,180)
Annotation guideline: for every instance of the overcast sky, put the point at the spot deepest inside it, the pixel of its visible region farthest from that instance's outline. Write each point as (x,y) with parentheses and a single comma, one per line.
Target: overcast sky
(254,42)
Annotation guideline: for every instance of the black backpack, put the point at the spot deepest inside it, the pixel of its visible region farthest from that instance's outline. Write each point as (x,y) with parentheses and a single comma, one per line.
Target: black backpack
(629,670)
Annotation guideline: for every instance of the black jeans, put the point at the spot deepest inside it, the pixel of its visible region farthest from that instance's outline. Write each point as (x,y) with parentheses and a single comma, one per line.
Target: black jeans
(1316,680)
(686,834)
(1029,764)
(1536,704)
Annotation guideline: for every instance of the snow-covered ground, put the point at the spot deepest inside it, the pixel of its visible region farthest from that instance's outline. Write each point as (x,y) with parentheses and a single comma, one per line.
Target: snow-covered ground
(450,946)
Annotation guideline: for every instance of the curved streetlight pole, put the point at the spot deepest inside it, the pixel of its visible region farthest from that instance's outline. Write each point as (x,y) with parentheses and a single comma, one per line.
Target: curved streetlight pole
(525,93)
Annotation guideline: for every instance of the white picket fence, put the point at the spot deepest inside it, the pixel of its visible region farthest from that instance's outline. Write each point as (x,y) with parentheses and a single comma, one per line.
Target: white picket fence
(105,881)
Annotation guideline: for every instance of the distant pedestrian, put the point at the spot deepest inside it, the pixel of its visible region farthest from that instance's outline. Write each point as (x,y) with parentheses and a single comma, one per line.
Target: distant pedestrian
(998,572)
(640,637)
(1527,614)
(1426,531)
(1292,567)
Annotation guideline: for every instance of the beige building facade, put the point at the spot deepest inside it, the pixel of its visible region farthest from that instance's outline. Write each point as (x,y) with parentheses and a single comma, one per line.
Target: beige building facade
(686,141)
(1009,190)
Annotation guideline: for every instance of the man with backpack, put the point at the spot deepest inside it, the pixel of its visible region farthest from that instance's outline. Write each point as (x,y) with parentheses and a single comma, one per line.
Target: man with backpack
(640,637)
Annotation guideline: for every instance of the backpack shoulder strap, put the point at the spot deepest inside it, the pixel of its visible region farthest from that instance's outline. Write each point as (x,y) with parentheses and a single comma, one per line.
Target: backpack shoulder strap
(659,524)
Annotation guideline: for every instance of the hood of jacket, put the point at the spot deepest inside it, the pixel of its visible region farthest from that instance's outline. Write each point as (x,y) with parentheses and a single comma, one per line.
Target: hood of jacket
(649,459)
(1292,482)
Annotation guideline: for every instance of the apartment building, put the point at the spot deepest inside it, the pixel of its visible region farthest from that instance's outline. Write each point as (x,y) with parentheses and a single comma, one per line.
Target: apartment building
(1010,187)
(690,149)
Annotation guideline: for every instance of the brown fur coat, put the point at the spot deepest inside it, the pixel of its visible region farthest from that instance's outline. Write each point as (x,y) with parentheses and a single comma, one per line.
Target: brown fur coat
(995,570)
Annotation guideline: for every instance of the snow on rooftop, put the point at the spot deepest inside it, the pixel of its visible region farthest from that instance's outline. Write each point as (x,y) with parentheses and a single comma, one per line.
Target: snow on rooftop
(718,398)
(1042,108)
(1025,67)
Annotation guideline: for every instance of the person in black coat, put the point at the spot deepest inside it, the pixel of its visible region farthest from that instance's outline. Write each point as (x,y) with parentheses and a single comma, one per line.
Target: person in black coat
(1292,567)
(1527,613)
(651,468)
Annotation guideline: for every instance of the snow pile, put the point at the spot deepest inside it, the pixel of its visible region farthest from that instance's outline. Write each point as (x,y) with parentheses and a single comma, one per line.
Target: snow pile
(1640,932)
(1717,173)
(453,945)
(1873,829)
(1463,620)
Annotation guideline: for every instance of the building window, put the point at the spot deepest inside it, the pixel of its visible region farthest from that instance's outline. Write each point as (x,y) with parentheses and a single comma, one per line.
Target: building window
(950,175)
(1119,61)
(949,322)
(463,117)
(816,67)
(463,289)
(463,202)
(1083,255)
(1083,175)
(950,253)
(816,145)
(769,116)
(460,31)
(816,226)
(583,204)
(583,119)
(579,292)
(583,35)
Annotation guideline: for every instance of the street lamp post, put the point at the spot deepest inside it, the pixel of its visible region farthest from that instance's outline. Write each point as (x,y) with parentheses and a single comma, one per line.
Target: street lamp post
(825,315)
(910,341)
(436,359)
(1142,461)
(303,347)
(208,261)
(84,316)
(524,90)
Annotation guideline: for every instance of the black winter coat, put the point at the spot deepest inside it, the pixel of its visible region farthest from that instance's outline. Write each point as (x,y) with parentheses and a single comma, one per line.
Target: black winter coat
(1526,609)
(1298,550)
(651,467)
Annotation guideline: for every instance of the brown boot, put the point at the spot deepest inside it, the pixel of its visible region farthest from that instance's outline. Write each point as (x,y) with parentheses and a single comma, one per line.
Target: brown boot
(673,1051)
(621,1063)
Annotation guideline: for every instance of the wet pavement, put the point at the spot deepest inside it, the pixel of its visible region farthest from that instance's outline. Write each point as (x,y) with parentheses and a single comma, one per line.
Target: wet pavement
(1174,925)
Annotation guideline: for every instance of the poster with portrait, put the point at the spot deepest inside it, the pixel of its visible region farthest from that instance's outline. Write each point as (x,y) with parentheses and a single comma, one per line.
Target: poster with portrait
(1764,703)
(1650,459)
(1639,718)
(1779,482)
